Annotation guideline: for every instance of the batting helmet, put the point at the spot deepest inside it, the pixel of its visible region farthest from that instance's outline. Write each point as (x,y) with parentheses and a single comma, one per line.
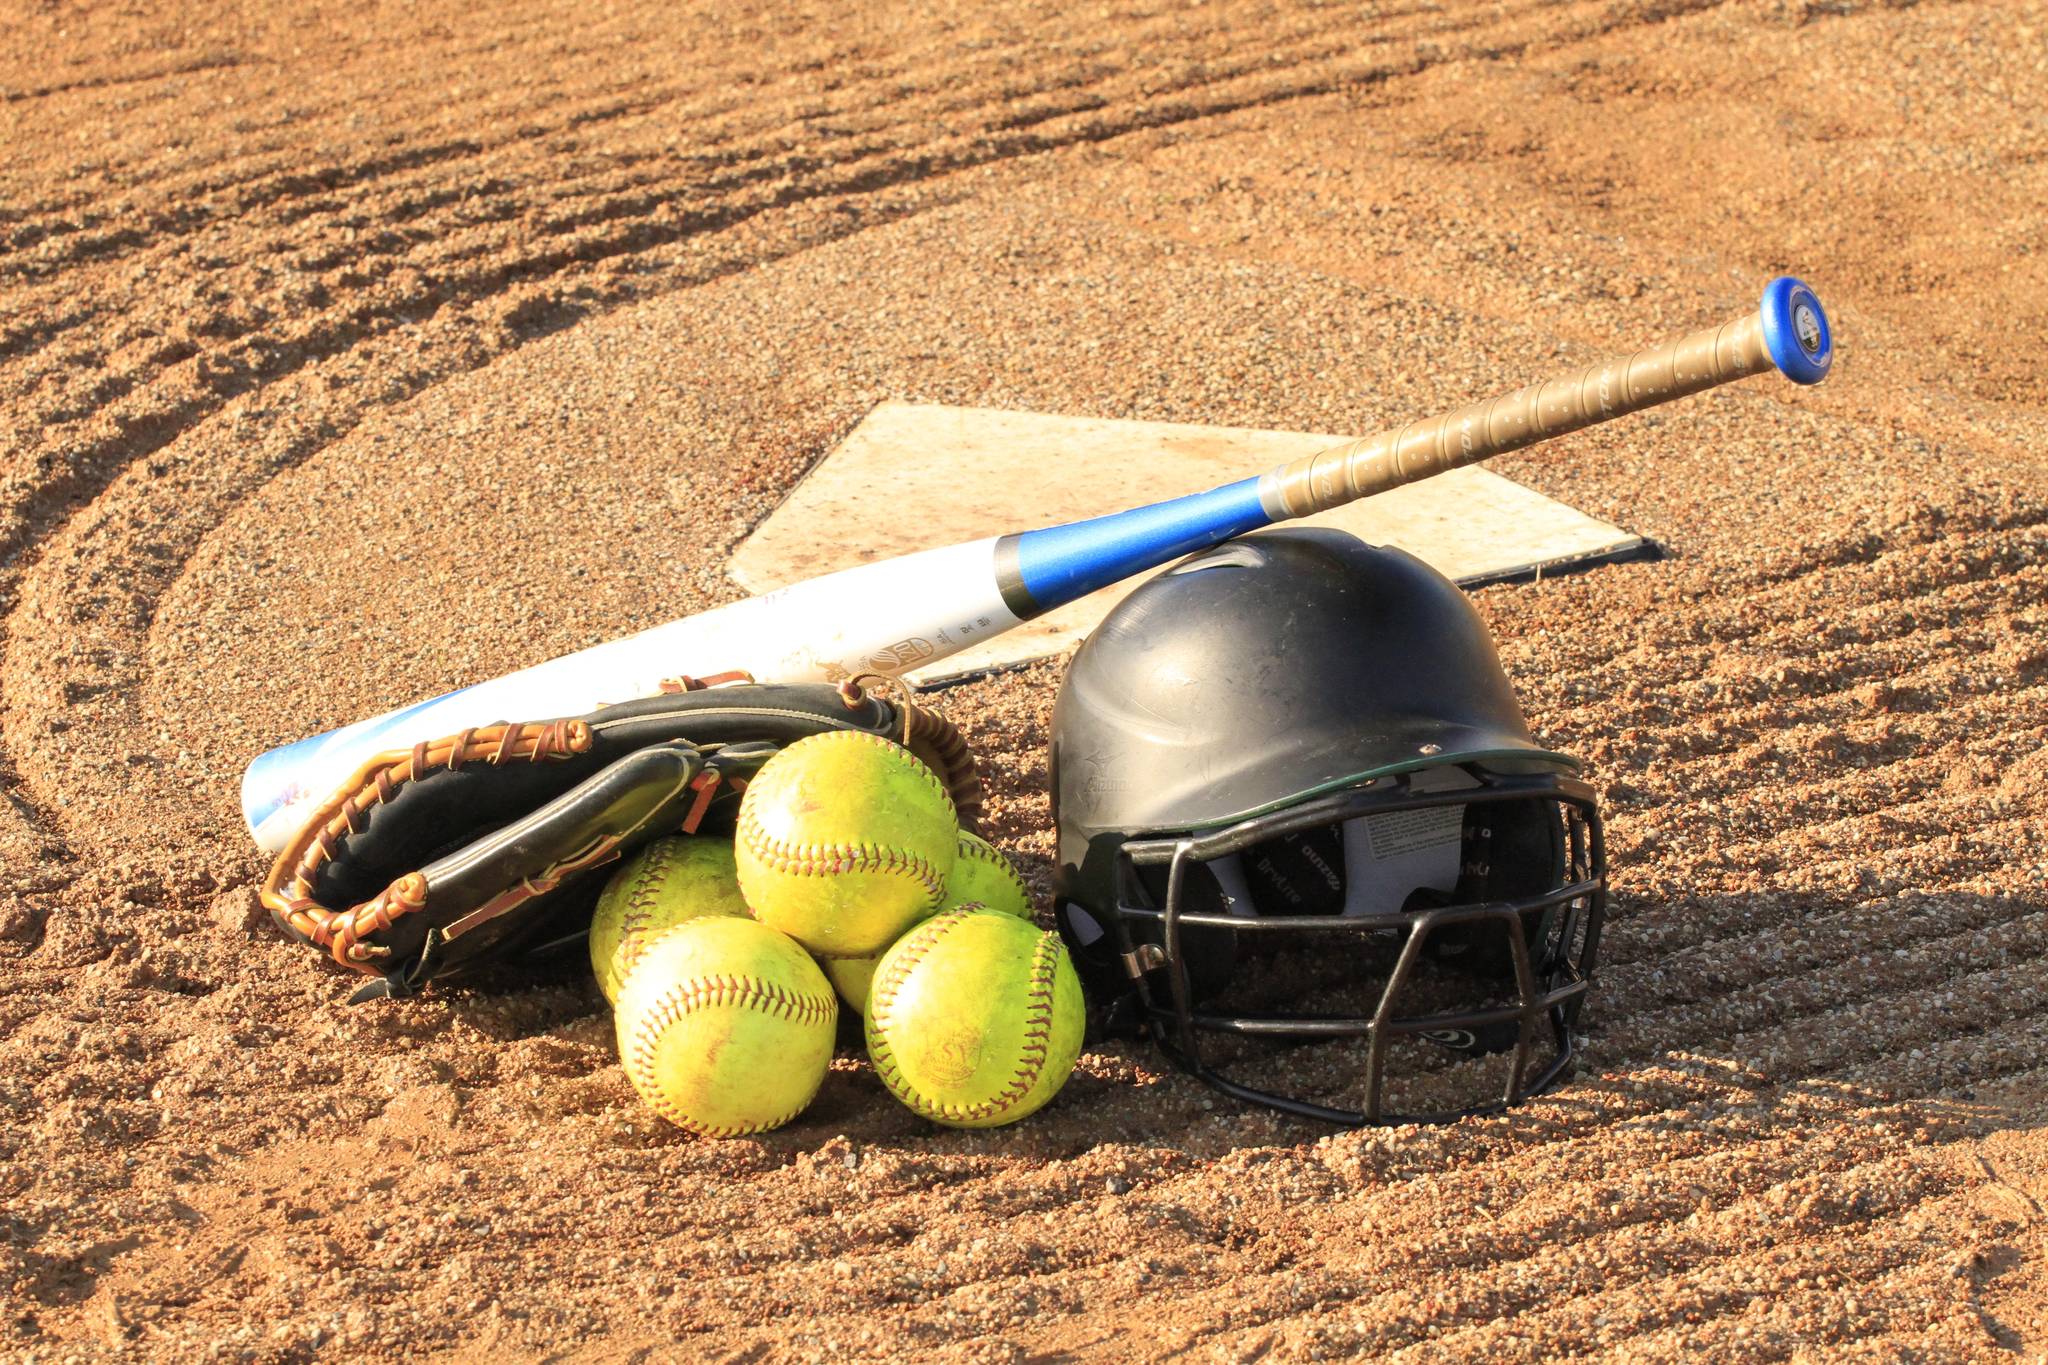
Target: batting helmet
(1290,770)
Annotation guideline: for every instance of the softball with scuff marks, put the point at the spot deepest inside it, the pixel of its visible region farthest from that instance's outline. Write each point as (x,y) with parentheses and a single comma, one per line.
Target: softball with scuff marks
(726,1027)
(982,875)
(666,883)
(845,840)
(974,1018)
(851,976)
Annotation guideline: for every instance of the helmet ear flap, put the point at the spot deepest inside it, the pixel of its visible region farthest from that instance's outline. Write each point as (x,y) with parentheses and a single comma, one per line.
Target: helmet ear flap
(1110,956)
(1512,850)
(1208,951)
(1093,947)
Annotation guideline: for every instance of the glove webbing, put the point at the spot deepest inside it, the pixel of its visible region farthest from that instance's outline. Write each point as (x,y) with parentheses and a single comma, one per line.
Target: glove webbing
(291,880)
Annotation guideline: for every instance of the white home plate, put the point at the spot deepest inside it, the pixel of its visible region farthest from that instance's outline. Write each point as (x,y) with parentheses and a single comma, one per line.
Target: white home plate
(912,476)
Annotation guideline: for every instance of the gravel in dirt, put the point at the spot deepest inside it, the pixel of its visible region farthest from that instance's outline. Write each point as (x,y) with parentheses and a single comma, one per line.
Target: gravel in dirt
(351,354)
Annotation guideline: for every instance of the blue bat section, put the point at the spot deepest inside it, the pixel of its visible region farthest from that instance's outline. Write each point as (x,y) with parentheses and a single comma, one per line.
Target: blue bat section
(1060,563)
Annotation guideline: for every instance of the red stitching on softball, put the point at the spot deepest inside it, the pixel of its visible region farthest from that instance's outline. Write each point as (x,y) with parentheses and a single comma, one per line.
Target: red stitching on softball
(882,991)
(827,860)
(979,849)
(699,993)
(1037,1045)
(639,910)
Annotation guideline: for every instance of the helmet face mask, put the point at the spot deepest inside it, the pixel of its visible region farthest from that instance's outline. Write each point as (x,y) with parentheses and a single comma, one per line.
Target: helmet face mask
(1475,987)
(1297,803)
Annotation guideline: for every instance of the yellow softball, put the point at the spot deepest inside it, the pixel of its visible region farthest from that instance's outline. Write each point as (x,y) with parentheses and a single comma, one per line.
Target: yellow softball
(851,976)
(983,876)
(845,840)
(667,882)
(974,1018)
(725,1026)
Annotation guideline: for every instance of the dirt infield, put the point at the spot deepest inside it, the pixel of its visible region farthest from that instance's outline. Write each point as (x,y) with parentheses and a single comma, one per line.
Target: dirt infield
(348,354)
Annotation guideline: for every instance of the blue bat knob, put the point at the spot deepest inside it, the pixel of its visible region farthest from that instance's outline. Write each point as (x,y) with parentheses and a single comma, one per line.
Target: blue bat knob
(1796,331)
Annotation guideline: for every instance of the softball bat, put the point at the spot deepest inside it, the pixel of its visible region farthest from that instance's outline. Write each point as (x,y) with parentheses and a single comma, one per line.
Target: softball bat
(901,614)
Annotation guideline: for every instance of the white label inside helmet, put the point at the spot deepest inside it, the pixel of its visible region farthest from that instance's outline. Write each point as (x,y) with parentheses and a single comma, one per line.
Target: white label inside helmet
(1390,856)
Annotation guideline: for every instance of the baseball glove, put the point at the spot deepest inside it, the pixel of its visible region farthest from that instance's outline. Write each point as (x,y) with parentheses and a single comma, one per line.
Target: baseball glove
(481,846)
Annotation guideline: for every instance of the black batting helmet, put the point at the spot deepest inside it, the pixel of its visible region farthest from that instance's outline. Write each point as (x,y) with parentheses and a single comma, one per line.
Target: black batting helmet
(1290,770)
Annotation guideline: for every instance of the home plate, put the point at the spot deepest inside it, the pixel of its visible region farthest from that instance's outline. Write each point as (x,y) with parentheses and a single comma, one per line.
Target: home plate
(913,476)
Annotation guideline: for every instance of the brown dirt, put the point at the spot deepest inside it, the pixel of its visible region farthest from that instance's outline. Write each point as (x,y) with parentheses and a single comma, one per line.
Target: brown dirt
(350,353)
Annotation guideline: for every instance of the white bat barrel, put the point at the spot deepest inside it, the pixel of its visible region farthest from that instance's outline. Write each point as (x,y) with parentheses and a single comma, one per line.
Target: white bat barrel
(887,617)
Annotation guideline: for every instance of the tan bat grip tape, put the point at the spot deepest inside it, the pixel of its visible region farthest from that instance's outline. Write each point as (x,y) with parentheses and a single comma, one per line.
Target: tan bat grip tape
(1478,431)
